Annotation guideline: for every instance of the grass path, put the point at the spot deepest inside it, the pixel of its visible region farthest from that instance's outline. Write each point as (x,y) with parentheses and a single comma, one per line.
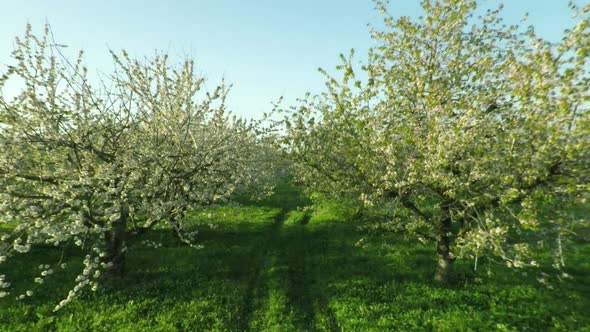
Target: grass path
(290,296)
(260,262)
(305,291)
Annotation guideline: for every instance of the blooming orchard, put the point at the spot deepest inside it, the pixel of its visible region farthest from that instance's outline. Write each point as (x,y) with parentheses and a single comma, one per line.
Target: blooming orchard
(475,134)
(97,167)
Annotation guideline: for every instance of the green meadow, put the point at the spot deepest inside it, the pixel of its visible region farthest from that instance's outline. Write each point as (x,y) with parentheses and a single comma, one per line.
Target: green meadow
(271,266)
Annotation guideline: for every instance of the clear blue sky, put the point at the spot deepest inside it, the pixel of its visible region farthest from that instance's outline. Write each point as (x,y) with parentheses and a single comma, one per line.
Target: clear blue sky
(265,48)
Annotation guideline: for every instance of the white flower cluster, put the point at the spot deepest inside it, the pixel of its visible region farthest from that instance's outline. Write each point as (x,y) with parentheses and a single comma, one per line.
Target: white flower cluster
(151,244)
(3,284)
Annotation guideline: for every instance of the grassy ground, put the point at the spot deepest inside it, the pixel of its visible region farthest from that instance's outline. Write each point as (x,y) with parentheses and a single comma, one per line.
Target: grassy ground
(270,268)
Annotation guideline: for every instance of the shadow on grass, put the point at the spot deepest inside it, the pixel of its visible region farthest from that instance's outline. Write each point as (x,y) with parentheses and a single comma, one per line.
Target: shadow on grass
(386,284)
(323,278)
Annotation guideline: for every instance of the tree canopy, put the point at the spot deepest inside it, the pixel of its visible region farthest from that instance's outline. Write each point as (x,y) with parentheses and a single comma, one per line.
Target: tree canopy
(468,128)
(99,166)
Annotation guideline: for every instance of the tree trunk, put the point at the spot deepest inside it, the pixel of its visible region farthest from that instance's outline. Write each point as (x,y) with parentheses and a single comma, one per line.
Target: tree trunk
(445,259)
(115,243)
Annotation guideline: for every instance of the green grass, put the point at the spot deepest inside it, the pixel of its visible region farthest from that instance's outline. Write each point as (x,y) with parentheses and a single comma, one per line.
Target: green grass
(271,267)
(297,217)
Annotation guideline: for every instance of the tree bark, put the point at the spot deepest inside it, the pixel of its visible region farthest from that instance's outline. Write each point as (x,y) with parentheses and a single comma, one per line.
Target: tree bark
(115,243)
(445,259)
